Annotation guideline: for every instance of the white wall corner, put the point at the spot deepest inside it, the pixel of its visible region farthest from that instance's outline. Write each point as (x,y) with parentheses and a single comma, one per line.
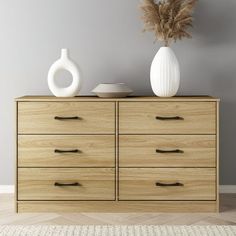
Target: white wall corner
(7,188)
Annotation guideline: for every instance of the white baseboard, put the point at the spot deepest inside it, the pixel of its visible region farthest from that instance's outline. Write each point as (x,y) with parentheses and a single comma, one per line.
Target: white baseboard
(223,188)
(227,188)
(7,188)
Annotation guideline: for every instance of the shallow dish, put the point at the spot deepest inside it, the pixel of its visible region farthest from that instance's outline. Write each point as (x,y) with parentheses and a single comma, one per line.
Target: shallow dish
(118,90)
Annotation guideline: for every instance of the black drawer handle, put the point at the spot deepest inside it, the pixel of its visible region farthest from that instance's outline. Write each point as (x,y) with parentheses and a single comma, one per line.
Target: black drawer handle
(67,184)
(169,118)
(169,185)
(169,151)
(66,151)
(67,118)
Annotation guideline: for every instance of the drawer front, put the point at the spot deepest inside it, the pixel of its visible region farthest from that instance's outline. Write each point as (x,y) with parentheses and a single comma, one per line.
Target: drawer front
(66,118)
(148,184)
(167,117)
(45,184)
(66,151)
(167,151)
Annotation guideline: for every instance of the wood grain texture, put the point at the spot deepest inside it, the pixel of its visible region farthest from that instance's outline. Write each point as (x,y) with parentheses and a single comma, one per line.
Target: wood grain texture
(140,150)
(117,152)
(139,184)
(217,155)
(140,118)
(93,151)
(227,215)
(115,128)
(117,206)
(38,118)
(16,156)
(199,98)
(38,183)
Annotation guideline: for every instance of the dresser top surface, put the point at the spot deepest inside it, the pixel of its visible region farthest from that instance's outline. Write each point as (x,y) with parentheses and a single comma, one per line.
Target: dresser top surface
(133,98)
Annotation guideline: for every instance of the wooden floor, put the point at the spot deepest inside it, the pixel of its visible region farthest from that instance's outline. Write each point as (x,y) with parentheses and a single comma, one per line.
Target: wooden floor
(227,216)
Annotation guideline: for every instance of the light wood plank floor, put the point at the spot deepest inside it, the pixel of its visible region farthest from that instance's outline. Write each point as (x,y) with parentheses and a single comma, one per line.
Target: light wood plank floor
(227,216)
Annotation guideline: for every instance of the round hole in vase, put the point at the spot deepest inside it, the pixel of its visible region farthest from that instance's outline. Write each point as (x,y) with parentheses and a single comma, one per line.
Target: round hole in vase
(63,78)
(64,63)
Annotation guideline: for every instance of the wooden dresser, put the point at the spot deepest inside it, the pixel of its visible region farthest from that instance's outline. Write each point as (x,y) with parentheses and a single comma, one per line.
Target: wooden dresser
(138,154)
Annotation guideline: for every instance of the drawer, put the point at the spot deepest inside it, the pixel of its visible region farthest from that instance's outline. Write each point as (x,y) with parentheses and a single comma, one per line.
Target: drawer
(167,117)
(45,184)
(167,184)
(167,151)
(66,151)
(66,117)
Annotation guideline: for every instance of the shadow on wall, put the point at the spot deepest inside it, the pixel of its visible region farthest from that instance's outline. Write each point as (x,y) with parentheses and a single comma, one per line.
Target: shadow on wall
(215,29)
(223,79)
(216,25)
(227,143)
(223,85)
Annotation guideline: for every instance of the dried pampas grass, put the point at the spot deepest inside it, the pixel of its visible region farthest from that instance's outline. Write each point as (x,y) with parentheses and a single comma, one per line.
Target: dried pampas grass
(168,19)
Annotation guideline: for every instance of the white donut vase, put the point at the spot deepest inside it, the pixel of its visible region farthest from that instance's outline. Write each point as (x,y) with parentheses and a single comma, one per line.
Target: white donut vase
(64,63)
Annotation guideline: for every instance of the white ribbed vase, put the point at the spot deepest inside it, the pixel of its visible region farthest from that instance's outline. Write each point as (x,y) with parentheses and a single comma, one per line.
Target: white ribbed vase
(165,73)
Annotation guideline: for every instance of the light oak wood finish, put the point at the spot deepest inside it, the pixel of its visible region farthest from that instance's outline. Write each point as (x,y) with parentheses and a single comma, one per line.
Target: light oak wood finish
(140,118)
(227,215)
(117,206)
(167,151)
(117,153)
(197,98)
(140,184)
(39,118)
(217,155)
(45,151)
(110,126)
(39,184)
(16,157)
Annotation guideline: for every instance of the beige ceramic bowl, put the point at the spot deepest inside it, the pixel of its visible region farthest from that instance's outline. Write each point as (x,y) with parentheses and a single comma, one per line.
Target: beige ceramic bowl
(119,90)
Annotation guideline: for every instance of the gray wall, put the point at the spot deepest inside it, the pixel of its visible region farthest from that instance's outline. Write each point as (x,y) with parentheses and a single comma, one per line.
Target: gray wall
(105,38)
